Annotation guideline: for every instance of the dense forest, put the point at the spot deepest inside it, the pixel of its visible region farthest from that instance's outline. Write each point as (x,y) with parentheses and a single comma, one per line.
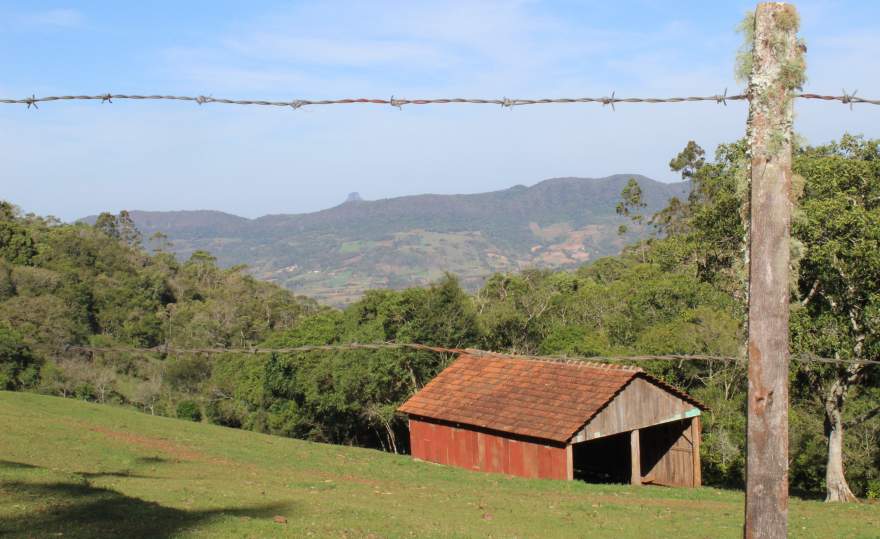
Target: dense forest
(684,291)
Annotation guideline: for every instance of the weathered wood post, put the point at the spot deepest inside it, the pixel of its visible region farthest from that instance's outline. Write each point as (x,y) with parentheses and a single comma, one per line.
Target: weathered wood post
(635,458)
(695,451)
(777,69)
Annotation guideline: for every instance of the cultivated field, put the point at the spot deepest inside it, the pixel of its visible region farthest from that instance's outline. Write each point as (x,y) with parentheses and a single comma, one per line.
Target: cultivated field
(73,469)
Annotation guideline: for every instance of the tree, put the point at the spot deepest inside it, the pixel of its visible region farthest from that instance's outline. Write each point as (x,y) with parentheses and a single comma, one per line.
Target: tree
(128,231)
(631,204)
(689,161)
(710,224)
(673,219)
(147,392)
(119,227)
(103,379)
(160,242)
(839,283)
(16,243)
(17,365)
(108,224)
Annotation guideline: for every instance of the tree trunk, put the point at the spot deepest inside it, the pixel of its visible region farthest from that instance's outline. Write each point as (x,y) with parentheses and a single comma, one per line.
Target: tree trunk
(392,440)
(836,487)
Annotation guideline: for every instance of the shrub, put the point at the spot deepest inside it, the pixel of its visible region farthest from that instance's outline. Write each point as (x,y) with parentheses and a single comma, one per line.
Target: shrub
(189,410)
(873,491)
(18,368)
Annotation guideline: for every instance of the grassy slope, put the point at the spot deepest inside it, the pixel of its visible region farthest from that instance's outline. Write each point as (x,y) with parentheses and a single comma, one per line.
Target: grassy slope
(87,470)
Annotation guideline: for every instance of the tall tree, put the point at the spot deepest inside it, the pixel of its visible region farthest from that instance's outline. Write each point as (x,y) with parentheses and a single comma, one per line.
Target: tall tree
(839,284)
(631,204)
(160,242)
(689,161)
(128,231)
(108,224)
(16,244)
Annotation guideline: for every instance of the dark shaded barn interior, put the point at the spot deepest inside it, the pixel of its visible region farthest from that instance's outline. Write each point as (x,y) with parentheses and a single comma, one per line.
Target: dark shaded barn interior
(606,460)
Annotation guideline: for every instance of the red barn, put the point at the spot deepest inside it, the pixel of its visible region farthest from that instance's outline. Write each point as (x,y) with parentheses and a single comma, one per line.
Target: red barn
(557,420)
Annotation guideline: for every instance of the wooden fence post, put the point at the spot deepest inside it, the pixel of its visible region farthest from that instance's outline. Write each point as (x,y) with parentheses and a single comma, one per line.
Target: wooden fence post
(777,69)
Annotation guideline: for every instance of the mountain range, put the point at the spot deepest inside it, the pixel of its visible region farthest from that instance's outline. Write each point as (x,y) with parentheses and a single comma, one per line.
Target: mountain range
(334,255)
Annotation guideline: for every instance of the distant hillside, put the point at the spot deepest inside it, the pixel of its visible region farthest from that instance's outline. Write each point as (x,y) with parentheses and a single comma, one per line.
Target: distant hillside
(336,254)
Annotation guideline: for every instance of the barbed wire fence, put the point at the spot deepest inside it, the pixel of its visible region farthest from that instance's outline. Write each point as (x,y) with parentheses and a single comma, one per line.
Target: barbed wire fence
(171,350)
(845,98)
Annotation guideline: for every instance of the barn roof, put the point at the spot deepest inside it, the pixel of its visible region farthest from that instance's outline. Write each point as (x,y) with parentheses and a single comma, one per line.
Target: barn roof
(542,399)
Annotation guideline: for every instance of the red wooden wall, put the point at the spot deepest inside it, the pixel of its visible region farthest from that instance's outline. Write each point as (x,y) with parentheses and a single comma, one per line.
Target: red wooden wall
(476,450)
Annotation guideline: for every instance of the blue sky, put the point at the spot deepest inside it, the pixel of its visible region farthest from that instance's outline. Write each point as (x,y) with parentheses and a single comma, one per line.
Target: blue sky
(73,159)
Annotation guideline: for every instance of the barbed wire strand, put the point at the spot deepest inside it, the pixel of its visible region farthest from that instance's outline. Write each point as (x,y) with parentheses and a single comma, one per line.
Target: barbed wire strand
(33,101)
(446,350)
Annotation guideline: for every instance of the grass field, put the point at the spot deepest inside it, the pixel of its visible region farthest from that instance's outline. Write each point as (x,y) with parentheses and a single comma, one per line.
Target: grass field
(73,469)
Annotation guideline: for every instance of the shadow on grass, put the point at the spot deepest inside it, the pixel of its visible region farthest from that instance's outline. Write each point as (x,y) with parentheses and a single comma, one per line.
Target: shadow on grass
(124,474)
(10,465)
(16,465)
(72,509)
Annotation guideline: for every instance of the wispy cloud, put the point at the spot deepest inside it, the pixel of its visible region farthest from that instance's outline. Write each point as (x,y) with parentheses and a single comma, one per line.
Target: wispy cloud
(336,52)
(54,18)
(474,47)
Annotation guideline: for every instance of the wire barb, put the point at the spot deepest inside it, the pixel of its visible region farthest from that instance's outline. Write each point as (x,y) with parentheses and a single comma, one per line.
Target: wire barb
(609,101)
(396,103)
(31,101)
(847,99)
(722,99)
(108,98)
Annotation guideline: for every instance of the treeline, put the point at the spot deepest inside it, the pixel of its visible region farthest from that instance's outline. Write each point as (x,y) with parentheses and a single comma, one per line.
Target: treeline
(682,292)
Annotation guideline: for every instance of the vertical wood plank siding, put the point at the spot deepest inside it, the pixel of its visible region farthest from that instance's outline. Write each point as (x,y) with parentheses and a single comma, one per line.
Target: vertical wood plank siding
(487,452)
(669,454)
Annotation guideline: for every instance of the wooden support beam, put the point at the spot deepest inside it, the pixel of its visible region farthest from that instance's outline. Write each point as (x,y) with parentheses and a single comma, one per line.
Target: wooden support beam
(775,68)
(695,447)
(569,462)
(635,458)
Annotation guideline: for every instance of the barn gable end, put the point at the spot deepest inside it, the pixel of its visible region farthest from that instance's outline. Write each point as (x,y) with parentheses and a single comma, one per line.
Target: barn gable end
(639,405)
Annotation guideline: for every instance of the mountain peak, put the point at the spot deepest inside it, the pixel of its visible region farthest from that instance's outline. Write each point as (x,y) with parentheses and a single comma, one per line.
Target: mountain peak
(354,197)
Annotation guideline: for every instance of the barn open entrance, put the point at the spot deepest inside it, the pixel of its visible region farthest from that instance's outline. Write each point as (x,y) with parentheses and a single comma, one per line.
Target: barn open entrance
(603,460)
(663,455)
